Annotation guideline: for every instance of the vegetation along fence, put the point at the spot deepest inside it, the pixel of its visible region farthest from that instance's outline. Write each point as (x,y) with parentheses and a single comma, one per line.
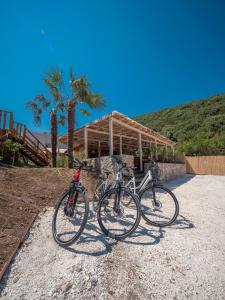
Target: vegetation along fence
(211,165)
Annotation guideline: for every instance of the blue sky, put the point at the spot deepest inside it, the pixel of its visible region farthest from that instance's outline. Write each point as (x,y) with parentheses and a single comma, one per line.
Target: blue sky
(141,55)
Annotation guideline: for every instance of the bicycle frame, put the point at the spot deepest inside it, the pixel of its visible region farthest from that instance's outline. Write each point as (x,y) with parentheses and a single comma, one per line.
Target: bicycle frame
(132,184)
(73,187)
(105,184)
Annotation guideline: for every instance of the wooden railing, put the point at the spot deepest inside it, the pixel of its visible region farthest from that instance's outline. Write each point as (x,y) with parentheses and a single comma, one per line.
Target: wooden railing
(20,132)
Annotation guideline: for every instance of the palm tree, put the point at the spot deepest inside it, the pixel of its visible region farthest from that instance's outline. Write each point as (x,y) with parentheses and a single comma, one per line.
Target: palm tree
(80,95)
(55,106)
(75,96)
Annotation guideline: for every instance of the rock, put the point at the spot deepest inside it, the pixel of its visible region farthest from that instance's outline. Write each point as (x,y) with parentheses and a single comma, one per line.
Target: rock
(94,280)
(78,268)
(65,288)
(16,279)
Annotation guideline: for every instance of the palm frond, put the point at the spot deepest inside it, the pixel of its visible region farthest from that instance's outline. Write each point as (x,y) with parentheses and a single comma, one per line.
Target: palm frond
(43,101)
(95,101)
(61,106)
(31,105)
(62,120)
(80,88)
(55,77)
(72,77)
(85,112)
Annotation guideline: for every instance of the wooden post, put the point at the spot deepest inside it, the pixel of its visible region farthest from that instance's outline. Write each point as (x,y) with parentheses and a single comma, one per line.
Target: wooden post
(99,149)
(166,153)
(4,121)
(110,136)
(24,134)
(150,146)
(121,146)
(140,151)
(85,142)
(17,129)
(172,147)
(20,133)
(156,150)
(11,122)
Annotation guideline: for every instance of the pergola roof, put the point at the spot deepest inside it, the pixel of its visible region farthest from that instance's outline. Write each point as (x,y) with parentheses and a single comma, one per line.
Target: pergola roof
(123,127)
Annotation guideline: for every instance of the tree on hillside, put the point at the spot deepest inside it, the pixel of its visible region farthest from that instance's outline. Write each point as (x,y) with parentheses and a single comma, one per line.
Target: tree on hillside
(54,105)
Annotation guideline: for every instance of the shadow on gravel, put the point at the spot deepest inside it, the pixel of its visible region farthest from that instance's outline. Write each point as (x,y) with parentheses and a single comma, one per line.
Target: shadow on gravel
(182,223)
(88,237)
(173,184)
(148,237)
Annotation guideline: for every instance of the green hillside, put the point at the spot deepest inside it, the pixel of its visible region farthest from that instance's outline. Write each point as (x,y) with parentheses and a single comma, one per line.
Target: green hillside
(198,127)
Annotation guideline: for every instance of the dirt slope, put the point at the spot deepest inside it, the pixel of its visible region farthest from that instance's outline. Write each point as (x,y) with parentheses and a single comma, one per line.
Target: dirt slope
(23,193)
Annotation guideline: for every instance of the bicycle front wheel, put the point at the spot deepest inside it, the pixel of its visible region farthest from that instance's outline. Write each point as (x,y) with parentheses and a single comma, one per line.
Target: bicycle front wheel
(67,227)
(159,206)
(119,222)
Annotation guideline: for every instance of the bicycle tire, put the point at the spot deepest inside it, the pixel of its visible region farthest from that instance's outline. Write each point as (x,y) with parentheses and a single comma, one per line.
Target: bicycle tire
(79,232)
(144,215)
(137,220)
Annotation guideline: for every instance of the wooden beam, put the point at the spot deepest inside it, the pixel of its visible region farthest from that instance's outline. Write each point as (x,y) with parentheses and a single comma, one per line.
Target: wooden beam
(110,135)
(107,133)
(153,136)
(85,142)
(140,151)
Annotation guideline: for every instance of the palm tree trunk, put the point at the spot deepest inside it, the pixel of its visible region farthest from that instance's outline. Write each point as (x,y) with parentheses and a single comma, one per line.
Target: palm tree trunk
(53,120)
(70,119)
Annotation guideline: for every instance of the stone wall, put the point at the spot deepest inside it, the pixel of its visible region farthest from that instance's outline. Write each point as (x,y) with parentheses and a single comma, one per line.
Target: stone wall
(169,171)
(106,162)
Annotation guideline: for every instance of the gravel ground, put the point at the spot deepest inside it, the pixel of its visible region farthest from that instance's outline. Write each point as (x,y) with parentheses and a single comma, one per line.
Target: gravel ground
(186,260)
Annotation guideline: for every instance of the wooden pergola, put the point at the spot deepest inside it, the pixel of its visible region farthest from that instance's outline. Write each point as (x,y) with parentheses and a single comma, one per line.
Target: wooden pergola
(115,133)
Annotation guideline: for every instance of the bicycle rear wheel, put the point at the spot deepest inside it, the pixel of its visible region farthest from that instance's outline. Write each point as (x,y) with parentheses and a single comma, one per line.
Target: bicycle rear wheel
(159,206)
(121,222)
(66,229)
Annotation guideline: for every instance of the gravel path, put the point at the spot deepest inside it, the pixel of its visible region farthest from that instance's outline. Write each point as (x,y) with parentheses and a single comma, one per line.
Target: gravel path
(184,261)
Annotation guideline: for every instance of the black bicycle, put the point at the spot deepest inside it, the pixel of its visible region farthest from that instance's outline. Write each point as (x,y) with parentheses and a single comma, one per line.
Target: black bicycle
(117,219)
(71,210)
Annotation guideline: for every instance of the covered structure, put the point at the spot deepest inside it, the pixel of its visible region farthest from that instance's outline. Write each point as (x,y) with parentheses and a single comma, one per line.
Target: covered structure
(116,134)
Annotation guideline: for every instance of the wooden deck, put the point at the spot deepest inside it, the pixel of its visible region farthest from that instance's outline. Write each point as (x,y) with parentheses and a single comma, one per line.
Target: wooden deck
(32,148)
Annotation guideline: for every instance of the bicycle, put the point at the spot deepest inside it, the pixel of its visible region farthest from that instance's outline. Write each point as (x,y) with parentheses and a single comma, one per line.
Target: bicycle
(74,203)
(116,219)
(72,209)
(159,206)
(102,186)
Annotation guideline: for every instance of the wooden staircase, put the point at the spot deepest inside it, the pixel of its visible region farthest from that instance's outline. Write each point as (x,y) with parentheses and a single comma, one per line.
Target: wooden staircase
(32,148)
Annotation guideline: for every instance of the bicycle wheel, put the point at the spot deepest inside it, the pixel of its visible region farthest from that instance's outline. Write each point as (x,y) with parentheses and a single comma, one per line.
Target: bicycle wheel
(121,222)
(66,229)
(159,206)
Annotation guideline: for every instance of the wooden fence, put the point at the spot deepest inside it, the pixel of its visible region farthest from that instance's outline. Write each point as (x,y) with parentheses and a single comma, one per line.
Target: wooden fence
(210,165)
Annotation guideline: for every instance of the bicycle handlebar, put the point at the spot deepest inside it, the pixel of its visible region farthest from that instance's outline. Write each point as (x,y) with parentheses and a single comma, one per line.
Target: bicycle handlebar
(119,161)
(82,164)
